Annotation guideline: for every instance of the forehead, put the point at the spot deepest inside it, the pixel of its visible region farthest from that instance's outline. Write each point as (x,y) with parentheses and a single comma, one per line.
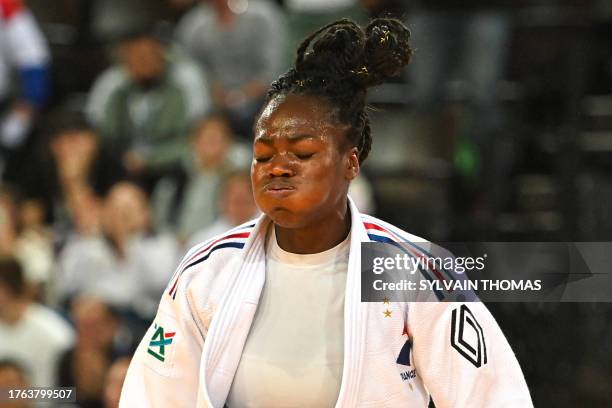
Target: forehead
(287,114)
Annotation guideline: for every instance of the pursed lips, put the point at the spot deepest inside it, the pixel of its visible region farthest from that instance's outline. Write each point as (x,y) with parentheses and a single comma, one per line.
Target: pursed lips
(278,186)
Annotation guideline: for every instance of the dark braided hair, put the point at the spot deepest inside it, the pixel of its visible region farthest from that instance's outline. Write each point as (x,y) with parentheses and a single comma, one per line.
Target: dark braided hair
(339,62)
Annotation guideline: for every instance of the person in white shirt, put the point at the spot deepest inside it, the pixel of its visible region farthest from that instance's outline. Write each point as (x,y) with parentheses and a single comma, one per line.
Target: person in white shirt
(240,44)
(270,313)
(32,335)
(127,263)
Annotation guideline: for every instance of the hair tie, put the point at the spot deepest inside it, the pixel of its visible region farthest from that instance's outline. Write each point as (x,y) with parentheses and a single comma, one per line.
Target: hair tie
(385,35)
(363,71)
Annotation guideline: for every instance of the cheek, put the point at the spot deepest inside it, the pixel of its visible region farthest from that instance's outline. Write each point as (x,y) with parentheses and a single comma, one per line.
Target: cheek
(257,175)
(318,176)
(321,183)
(326,173)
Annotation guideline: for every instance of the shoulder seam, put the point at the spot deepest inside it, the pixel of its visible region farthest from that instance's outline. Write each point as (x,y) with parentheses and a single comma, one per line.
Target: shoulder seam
(408,247)
(227,240)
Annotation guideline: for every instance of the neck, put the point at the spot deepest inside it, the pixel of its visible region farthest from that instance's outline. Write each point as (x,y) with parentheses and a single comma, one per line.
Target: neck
(13,313)
(317,237)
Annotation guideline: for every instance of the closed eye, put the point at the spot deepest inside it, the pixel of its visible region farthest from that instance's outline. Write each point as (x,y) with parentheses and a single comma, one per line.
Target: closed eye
(304,156)
(262,159)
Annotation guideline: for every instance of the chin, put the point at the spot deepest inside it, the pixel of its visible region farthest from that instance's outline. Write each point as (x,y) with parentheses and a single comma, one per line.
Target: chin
(285,218)
(294,212)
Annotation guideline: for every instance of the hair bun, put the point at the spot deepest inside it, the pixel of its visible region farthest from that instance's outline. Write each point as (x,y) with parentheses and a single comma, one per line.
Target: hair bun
(387,49)
(339,62)
(332,51)
(342,50)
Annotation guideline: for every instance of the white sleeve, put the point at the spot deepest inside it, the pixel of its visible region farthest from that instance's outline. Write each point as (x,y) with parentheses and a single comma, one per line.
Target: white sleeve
(464,358)
(25,41)
(164,371)
(99,96)
(194,85)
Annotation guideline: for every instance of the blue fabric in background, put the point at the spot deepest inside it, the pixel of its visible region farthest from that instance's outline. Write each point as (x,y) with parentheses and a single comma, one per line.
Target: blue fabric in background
(35,85)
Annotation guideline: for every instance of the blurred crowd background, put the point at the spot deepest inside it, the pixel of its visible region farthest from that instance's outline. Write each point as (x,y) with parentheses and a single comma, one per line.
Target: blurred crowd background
(125,130)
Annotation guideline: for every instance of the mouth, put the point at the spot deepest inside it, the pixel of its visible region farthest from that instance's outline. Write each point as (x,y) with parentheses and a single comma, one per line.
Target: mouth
(279,189)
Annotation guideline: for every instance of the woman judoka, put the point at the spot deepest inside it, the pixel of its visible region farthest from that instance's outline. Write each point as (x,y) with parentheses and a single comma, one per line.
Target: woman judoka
(269,314)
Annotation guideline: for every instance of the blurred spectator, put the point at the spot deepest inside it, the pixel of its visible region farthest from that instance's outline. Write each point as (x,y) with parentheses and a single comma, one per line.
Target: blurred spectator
(112,18)
(34,246)
(306,16)
(76,174)
(187,201)
(241,44)
(236,205)
(144,106)
(86,365)
(469,41)
(114,382)
(13,377)
(24,50)
(24,236)
(128,265)
(8,221)
(33,335)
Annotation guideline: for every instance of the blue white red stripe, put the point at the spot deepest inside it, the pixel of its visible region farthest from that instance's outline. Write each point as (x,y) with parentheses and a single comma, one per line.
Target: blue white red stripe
(380,234)
(235,238)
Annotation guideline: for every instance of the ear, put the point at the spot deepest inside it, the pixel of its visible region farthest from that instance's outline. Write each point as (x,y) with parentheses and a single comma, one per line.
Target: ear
(352,164)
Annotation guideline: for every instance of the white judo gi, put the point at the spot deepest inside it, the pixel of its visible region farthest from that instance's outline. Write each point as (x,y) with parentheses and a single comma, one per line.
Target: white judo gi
(190,353)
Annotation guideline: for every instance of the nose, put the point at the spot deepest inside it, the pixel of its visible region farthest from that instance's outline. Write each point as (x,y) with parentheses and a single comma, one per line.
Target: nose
(281,167)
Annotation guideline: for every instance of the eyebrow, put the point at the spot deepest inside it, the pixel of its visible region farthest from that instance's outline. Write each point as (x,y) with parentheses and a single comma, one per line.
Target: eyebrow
(292,138)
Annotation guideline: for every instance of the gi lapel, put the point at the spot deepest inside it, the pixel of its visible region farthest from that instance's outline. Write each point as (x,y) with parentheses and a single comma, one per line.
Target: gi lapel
(355,317)
(230,325)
